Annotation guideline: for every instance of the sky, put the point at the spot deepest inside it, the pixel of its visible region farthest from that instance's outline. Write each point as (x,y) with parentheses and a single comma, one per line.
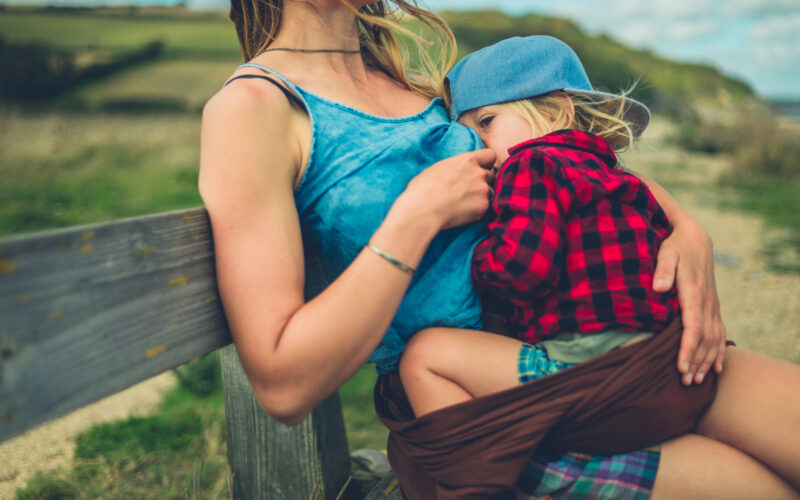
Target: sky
(757,41)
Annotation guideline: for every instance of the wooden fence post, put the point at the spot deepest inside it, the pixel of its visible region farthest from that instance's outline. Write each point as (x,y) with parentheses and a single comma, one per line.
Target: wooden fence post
(269,460)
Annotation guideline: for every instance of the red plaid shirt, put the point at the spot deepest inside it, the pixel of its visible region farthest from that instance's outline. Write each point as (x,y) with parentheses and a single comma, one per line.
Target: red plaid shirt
(572,242)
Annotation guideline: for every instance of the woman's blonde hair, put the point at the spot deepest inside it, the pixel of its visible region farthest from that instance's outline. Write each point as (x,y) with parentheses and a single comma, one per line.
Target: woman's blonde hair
(601,116)
(259,21)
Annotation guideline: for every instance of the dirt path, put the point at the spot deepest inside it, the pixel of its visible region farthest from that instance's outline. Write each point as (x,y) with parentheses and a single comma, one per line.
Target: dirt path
(761,308)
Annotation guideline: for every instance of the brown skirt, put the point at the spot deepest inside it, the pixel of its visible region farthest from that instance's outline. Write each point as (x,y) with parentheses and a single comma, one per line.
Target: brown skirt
(619,402)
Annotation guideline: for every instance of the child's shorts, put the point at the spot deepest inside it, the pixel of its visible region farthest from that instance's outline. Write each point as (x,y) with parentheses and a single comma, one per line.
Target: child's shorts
(534,363)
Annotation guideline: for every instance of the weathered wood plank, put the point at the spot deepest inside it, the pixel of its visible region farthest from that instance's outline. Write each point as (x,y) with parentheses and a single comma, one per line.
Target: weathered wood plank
(270,461)
(386,489)
(88,311)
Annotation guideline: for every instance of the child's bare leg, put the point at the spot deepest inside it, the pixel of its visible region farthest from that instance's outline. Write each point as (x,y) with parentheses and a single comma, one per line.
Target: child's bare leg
(757,410)
(444,366)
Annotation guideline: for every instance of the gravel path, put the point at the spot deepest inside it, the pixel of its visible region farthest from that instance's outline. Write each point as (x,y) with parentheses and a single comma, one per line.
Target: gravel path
(761,308)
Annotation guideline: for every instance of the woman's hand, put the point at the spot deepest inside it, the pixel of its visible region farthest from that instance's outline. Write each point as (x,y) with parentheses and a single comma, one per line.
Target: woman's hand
(453,191)
(685,259)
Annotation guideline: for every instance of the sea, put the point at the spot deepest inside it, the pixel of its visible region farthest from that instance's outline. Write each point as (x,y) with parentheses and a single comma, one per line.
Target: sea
(788,108)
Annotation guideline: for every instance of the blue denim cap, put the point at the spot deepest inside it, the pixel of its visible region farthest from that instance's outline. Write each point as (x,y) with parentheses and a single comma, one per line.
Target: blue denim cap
(520,68)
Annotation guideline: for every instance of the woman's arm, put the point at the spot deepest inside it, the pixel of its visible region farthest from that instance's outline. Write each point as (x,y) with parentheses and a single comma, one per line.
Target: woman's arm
(295,353)
(686,260)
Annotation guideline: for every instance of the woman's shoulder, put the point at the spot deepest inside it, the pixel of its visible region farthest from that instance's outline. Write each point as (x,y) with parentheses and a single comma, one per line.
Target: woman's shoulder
(247,94)
(250,127)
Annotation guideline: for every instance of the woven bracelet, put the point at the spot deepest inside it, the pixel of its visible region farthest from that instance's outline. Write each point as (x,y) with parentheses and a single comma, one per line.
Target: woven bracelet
(396,263)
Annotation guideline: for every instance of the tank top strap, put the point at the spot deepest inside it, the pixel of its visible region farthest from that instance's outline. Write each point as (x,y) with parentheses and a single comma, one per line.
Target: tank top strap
(288,93)
(272,72)
(299,96)
(298,91)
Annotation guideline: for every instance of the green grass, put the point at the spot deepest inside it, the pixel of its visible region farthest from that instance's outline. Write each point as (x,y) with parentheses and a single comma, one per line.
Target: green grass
(85,31)
(764,172)
(364,430)
(190,82)
(65,168)
(138,436)
(778,202)
(176,453)
(179,452)
(199,54)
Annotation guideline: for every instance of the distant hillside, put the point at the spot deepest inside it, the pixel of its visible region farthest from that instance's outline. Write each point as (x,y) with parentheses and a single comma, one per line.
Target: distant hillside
(209,41)
(663,84)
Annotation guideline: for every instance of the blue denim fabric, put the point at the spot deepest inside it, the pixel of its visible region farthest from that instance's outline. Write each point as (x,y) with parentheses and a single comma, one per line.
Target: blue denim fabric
(359,164)
(521,68)
(512,69)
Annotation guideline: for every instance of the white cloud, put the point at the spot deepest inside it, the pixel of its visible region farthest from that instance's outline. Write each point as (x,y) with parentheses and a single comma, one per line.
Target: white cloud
(636,33)
(777,27)
(756,39)
(681,9)
(776,40)
(761,8)
(687,31)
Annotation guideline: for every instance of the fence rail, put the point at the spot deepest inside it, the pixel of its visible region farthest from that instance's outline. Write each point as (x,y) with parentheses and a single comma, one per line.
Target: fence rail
(88,311)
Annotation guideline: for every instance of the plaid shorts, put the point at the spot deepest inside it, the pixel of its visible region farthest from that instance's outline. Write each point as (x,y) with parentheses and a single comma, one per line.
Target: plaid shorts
(534,363)
(576,476)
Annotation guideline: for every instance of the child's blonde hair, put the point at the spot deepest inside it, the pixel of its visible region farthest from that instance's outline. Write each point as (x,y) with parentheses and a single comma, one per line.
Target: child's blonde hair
(601,116)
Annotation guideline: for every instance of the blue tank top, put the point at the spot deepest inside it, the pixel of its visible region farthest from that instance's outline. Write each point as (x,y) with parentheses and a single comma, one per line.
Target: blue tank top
(358,165)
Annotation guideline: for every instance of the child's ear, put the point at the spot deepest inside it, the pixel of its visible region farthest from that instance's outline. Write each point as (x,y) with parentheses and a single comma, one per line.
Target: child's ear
(570,106)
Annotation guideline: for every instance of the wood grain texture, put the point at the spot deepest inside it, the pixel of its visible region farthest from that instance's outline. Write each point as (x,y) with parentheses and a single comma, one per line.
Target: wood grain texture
(271,461)
(386,489)
(88,311)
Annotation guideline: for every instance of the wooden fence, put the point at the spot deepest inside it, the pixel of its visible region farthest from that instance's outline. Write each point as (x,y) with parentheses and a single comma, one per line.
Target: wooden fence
(89,311)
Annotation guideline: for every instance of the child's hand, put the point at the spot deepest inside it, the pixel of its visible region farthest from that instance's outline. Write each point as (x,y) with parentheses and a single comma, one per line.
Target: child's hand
(685,259)
(453,191)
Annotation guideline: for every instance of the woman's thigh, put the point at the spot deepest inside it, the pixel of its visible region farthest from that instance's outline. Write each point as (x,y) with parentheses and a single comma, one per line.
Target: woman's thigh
(694,466)
(757,410)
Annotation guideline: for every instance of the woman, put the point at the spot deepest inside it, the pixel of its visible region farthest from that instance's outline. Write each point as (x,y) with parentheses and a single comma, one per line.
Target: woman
(257,145)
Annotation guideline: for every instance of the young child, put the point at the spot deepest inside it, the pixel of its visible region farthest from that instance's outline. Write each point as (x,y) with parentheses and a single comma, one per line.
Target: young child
(572,237)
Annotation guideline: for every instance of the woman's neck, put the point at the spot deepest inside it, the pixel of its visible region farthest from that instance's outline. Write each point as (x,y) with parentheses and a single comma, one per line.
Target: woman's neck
(327,25)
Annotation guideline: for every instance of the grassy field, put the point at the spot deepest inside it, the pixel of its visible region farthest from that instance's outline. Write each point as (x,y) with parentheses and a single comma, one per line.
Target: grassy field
(185,36)
(179,452)
(66,168)
(186,83)
(200,52)
(764,177)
